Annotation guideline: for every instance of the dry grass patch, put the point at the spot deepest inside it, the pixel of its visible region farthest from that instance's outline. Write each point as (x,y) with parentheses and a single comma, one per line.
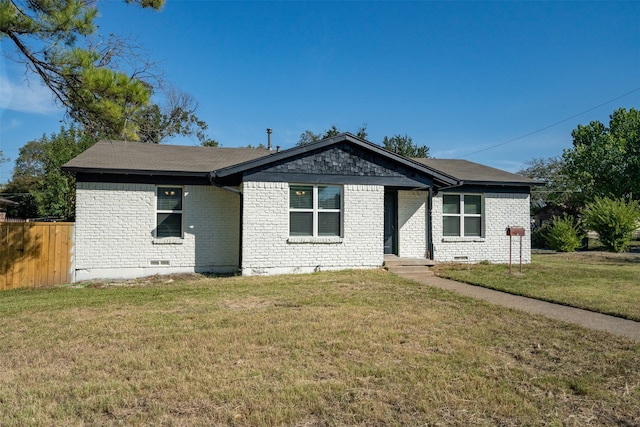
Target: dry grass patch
(342,348)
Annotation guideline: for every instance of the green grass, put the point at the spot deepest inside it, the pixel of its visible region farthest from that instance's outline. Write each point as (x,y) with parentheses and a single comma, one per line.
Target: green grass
(342,348)
(598,281)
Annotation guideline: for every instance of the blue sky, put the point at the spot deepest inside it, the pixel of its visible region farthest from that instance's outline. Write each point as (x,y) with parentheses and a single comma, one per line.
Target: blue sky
(459,77)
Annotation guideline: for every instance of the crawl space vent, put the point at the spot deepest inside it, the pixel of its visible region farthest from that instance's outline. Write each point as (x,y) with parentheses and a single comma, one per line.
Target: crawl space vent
(160,263)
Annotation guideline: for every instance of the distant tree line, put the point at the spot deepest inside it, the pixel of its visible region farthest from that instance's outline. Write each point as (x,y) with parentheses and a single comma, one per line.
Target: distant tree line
(400,144)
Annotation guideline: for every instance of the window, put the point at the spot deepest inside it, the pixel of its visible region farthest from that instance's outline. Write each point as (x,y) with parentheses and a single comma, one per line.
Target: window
(462,215)
(169,212)
(315,210)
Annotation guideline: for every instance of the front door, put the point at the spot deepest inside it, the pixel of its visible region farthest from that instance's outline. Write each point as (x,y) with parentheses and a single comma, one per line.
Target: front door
(391,222)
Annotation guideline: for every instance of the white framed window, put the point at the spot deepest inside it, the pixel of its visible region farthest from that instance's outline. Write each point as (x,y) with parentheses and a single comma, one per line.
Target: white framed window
(462,215)
(315,210)
(168,212)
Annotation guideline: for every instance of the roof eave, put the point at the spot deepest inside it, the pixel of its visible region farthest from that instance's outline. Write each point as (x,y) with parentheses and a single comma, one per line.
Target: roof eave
(502,183)
(142,172)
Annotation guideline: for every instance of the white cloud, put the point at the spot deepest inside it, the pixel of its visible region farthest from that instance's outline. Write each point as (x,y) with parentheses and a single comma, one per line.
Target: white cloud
(26,97)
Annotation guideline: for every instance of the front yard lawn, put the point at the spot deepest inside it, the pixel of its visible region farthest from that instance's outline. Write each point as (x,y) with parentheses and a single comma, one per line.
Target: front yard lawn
(599,281)
(334,348)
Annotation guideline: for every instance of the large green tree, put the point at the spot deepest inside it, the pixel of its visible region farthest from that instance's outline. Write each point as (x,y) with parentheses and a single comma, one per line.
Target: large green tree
(605,161)
(57,195)
(404,145)
(38,182)
(52,38)
(559,191)
(28,174)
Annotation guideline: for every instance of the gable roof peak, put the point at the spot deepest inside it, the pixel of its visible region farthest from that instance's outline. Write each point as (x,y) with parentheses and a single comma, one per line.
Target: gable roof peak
(302,150)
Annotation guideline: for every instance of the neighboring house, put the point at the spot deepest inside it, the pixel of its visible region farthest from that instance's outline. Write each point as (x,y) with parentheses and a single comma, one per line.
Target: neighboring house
(4,203)
(338,203)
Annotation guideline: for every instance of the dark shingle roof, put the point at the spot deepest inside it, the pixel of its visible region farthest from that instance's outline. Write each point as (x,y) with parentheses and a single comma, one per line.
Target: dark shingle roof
(135,157)
(120,157)
(475,173)
(7,202)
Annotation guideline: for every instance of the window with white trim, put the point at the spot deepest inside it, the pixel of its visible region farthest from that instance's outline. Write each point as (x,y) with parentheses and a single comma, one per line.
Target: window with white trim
(169,212)
(315,210)
(462,215)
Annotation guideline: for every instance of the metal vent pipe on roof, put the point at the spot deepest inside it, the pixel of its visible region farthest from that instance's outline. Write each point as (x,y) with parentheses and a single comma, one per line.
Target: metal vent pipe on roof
(269,130)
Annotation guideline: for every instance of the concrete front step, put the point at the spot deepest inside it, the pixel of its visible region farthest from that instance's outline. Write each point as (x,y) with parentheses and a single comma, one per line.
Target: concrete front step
(394,261)
(411,268)
(410,271)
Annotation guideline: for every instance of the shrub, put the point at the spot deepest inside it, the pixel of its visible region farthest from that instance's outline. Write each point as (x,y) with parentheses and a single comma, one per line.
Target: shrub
(614,220)
(538,236)
(564,234)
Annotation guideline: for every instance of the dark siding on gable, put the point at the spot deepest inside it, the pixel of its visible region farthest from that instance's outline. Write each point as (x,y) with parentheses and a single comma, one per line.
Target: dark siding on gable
(342,162)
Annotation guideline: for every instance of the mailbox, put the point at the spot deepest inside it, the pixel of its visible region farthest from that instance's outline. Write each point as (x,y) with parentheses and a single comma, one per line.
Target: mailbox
(515,231)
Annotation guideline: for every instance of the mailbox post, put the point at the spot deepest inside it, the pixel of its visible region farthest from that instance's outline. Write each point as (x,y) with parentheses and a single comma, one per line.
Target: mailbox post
(515,231)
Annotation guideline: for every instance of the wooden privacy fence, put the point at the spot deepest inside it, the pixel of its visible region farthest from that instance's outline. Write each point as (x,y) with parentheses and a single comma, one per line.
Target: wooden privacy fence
(35,254)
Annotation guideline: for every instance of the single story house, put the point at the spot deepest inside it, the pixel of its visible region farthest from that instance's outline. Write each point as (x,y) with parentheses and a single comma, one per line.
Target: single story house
(339,203)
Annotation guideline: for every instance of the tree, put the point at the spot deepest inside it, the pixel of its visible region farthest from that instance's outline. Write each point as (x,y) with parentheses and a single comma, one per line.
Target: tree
(209,143)
(362,131)
(404,146)
(399,144)
(52,39)
(39,183)
(255,147)
(28,174)
(563,234)
(614,220)
(559,191)
(156,124)
(308,137)
(605,161)
(57,195)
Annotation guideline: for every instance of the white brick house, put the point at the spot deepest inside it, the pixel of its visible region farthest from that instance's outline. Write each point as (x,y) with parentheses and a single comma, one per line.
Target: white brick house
(339,203)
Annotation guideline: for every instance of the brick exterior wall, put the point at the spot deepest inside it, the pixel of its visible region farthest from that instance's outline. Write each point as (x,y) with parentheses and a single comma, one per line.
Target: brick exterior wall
(267,248)
(115,224)
(501,210)
(412,224)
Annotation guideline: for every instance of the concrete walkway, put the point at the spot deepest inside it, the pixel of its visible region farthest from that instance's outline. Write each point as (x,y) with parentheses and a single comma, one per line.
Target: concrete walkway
(588,319)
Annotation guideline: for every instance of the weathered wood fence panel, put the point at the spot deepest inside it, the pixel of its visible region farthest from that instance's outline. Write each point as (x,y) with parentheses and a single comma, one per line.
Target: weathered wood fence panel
(35,254)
